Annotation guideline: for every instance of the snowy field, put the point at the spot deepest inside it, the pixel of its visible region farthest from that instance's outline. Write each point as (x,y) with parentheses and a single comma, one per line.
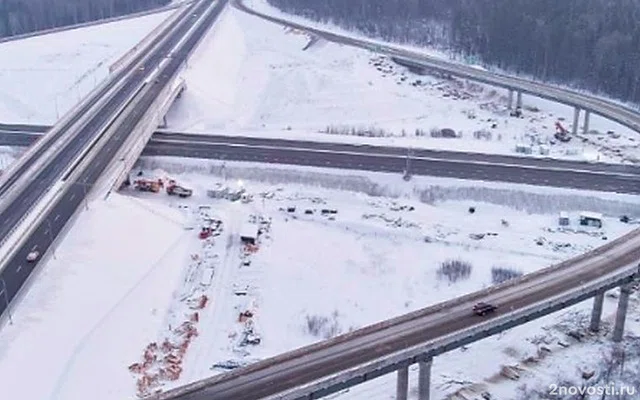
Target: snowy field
(8,155)
(105,298)
(43,77)
(267,84)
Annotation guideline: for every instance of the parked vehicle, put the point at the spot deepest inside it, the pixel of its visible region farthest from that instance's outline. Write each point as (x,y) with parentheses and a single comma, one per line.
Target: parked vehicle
(147,185)
(174,189)
(483,308)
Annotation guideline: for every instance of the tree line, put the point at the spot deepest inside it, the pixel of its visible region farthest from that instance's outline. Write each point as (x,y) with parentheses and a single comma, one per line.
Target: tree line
(25,16)
(589,44)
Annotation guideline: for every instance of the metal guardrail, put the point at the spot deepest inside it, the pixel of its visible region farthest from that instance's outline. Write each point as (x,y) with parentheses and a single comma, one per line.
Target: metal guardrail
(367,372)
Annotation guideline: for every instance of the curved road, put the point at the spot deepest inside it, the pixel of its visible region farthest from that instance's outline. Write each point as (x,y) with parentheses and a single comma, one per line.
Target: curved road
(621,114)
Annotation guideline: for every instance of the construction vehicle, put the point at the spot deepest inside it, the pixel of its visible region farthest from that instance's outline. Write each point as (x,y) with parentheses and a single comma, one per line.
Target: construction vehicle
(483,309)
(147,185)
(174,189)
(562,134)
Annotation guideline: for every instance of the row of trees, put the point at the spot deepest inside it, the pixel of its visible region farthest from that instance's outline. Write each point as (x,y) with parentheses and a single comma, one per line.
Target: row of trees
(592,44)
(24,16)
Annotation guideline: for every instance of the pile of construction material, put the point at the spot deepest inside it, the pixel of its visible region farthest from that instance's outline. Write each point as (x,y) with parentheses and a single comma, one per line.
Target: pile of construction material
(163,362)
(154,185)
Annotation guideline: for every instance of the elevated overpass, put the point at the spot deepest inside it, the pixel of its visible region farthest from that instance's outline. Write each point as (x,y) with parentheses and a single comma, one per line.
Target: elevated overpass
(579,101)
(70,173)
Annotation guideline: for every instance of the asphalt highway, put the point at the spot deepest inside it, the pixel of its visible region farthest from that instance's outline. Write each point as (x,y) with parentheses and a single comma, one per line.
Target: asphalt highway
(306,365)
(17,270)
(87,132)
(44,178)
(543,175)
(476,166)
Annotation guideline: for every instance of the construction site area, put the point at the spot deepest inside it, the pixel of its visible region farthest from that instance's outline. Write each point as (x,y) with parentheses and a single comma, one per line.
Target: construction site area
(269,268)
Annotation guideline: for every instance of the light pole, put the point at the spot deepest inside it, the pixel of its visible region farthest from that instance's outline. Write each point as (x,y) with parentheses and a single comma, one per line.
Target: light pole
(6,300)
(84,192)
(50,229)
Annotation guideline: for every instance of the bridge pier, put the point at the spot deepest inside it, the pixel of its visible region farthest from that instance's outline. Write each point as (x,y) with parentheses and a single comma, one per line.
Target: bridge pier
(519,100)
(402,388)
(596,312)
(621,314)
(163,124)
(510,99)
(424,379)
(576,121)
(587,115)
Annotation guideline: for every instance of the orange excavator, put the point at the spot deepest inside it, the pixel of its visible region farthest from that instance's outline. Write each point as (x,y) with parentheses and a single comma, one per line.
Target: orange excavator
(562,134)
(148,185)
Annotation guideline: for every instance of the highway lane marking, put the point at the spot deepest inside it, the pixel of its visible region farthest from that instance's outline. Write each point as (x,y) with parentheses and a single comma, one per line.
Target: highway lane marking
(72,196)
(404,157)
(19,268)
(57,217)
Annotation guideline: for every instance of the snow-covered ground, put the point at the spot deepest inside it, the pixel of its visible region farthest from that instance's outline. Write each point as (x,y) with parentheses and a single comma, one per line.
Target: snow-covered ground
(134,271)
(8,155)
(42,77)
(267,84)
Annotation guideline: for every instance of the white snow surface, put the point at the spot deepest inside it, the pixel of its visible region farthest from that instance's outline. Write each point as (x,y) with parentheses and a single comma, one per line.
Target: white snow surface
(100,296)
(43,77)
(252,77)
(124,276)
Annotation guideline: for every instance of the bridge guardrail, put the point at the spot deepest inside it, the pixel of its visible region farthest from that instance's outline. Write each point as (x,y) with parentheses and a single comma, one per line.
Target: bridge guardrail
(445,343)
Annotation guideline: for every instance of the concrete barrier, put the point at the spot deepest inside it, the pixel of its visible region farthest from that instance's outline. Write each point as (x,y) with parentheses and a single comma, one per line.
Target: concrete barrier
(90,23)
(362,373)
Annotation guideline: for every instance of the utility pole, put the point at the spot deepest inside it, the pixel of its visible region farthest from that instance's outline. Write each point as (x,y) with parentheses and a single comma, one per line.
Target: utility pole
(50,229)
(6,300)
(407,167)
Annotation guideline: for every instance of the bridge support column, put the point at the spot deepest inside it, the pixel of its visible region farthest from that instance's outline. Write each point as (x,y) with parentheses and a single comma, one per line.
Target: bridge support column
(402,388)
(163,124)
(510,99)
(596,312)
(424,379)
(587,115)
(519,100)
(621,314)
(576,120)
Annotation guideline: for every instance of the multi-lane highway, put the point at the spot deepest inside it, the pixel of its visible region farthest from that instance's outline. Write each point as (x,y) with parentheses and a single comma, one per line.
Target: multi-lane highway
(16,269)
(476,166)
(91,128)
